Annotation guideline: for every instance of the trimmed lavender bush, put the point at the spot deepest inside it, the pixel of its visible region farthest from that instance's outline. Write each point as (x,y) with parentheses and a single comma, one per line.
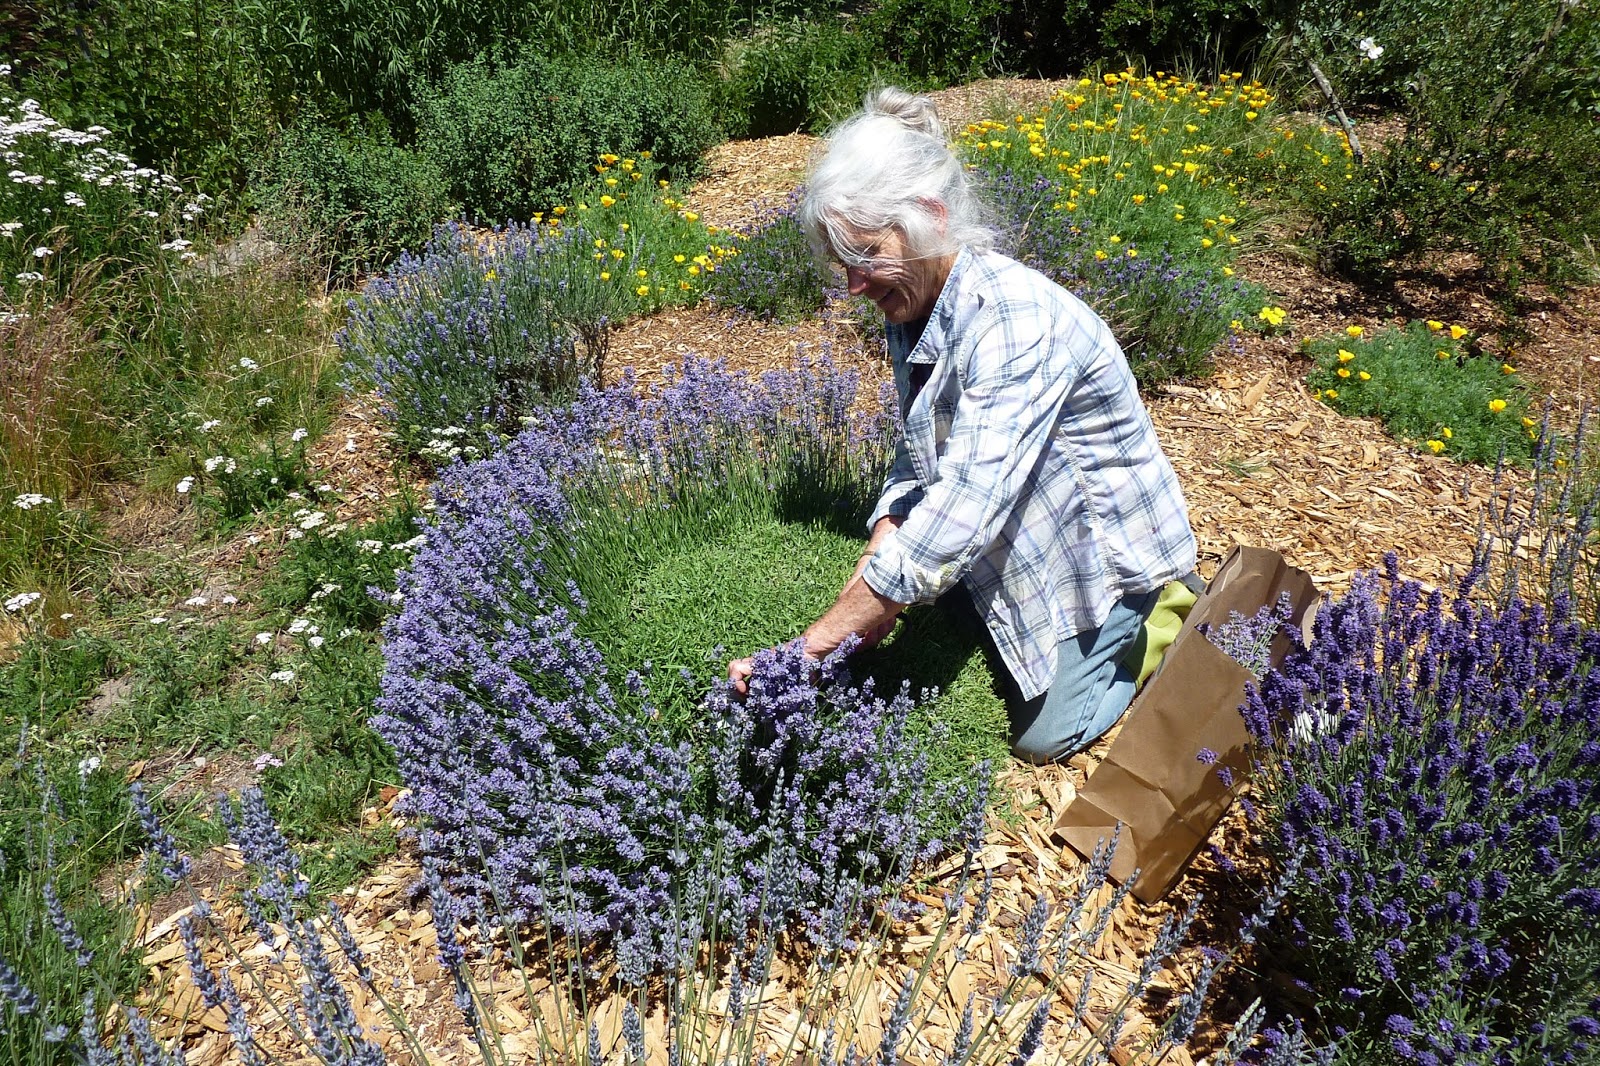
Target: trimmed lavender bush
(548,779)
(1169,314)
(303,967)
(774,275)
(467,336)
(1437,763)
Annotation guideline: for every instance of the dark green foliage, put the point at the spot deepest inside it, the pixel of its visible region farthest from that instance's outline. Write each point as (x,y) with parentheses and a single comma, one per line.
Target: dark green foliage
(352,199)
(181,82)
(515,138)
(803,75)
(1500,133)
(951,41)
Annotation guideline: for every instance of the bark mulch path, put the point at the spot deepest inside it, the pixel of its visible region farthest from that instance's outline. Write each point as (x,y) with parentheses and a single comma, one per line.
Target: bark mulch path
(1261,462)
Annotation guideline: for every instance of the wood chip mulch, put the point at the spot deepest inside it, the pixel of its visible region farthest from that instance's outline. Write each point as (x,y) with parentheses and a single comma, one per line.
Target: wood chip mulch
(1260,461)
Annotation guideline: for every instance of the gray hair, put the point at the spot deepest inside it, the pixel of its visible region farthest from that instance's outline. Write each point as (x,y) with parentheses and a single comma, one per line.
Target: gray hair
(889,165)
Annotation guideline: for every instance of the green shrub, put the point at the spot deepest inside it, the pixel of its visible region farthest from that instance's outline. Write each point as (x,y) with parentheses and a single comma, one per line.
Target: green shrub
(186,83)
(351,199)
(1426,389)
(802,75)
(516,138)
(1497,151)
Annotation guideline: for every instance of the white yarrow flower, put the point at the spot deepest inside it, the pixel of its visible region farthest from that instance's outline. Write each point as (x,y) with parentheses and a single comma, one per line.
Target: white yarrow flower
(88,766)
(299,434)
(195,601)
(263,401)
(284,676)
(210,424)
(263,638)
(29,500)
(183,487)
(23,600)
(247,363)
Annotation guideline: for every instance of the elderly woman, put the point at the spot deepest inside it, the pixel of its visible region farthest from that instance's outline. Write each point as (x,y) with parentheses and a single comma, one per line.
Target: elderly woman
(1028,472)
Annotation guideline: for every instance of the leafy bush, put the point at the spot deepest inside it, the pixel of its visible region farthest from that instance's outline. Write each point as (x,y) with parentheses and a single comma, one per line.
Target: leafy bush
(352,200)
(513,140)
(509,755)
(802,74)
(1495,154)
(186,83)
(1425,388)
(1434,763)
(774,275)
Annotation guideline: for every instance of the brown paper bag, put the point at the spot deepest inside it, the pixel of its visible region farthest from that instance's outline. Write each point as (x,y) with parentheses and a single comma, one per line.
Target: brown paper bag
(1152,781)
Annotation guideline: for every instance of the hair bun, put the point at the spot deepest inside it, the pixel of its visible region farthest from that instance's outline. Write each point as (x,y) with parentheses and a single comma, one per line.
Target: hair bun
(915,113)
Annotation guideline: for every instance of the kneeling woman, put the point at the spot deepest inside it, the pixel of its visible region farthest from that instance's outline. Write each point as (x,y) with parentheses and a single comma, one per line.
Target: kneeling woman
(1029,472)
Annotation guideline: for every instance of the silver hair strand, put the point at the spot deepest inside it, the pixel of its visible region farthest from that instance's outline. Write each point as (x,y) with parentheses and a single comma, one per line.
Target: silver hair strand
(890,166)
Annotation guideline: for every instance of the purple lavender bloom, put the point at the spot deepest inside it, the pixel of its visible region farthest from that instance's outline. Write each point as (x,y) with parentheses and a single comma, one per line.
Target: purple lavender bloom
(1443,791)
(547,779)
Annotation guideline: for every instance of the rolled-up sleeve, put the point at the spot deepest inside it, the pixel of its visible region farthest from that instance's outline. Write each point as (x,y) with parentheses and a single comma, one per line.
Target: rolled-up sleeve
(1015,386)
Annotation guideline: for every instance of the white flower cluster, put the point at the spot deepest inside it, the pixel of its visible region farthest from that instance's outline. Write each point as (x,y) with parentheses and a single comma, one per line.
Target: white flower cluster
(22,601)
(29,500)
(28,135)
(184,487)
(221,462)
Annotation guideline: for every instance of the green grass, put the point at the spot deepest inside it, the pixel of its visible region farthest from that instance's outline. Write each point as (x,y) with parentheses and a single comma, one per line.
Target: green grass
(1428,390)
(760,583)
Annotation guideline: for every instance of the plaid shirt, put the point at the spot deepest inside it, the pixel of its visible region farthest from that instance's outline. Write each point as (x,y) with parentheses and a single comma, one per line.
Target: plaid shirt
(1028,467)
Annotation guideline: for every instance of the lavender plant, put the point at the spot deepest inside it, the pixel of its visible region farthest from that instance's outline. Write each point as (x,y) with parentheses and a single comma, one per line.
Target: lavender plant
(535,762)
(309,971)
(463,338)
(62,948)
(1539,541)
(1448,807)
(480,328)
(774,275)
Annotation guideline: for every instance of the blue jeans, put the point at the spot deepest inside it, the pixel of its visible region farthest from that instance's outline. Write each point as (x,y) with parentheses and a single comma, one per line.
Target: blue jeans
(1090,691)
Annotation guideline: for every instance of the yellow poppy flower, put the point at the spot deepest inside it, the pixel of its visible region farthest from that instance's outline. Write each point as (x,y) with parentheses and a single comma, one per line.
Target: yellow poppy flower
(1345,357)
(1332,394)
(605,275)
(1445,433)
(1435,325)
(1343,371)
(1456,332)
(1497,406)
(1507,368)
(642,290)
(1364,376)
(1354,331)
(1436,446)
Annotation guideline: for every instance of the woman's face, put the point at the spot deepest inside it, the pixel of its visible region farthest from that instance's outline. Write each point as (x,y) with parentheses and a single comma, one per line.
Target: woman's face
(905,289)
